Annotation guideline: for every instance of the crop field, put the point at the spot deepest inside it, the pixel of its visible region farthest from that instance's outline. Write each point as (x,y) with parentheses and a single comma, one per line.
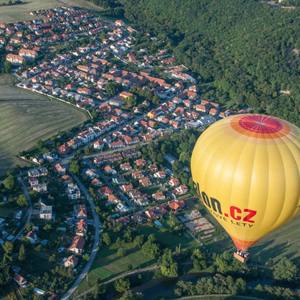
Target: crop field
(21,12)
(26,118)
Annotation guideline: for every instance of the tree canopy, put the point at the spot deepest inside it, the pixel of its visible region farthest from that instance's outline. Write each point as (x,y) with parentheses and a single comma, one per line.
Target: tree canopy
(243,51)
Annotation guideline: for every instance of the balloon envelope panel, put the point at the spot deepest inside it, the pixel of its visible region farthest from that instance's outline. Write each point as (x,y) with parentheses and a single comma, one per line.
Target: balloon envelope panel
(247,172)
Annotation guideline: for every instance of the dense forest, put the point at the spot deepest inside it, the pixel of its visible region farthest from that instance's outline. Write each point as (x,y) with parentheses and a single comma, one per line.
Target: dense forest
(242,51)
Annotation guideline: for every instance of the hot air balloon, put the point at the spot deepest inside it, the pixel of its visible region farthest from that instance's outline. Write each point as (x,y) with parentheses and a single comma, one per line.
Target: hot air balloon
(247,172)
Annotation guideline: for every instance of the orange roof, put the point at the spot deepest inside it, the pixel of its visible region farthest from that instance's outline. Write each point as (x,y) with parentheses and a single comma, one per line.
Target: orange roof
(14,58)
(213,111)
(125,94)
(27,52)
(176,204)
(200,107)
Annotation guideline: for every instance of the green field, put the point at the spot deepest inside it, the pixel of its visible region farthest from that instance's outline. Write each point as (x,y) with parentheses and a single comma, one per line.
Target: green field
(26,117)
(21,12)
(108,264)
(283,242)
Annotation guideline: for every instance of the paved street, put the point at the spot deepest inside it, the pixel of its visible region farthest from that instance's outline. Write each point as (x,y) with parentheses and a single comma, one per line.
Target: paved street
(93,254)
(29,211)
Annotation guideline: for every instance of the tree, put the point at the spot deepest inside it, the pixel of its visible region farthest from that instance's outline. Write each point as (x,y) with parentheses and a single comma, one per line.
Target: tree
(168,266)
(139,240)
(112,88)
(129,295)
(74,167)
(128,235)
(122,285)
(52,258)
(4,274)
(199,260)
(22,253)
(7,67)
(151,249)
(22,201)
(285,270)
(121,252)
(106,239)
(8,247)
(9,182)
(240,286)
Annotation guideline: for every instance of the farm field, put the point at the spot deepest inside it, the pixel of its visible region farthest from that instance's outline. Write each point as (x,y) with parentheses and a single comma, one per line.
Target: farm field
(26,118)
(21,12)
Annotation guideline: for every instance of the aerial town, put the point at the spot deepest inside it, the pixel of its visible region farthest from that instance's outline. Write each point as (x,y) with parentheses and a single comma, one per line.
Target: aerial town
(86,183)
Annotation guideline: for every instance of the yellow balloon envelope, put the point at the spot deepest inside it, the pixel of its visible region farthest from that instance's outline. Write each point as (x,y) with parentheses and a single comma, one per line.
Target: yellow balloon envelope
(247,172)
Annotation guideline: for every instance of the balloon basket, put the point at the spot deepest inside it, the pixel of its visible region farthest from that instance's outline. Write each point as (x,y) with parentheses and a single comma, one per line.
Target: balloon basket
(241,256)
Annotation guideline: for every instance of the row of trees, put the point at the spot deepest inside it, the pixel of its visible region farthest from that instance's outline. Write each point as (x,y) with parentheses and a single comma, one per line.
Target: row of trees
(216,284)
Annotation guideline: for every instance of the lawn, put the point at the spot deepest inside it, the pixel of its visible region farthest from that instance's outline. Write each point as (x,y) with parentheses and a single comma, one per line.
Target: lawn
(21,12)
(26,118)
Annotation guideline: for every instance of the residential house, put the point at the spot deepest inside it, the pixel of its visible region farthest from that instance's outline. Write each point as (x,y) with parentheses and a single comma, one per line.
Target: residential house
(29,54)
(40,188)
(73,191)
(15,59)
(160,174)
(81,227)
(140,162)
(173,182)
(32,237)
(77,245)
(159,196)
(145,182)
(80,211)
(181,190)
(20,280)
(176,205)
(46,211)
(60,169)
(126,167)
(126,187)
(71,261)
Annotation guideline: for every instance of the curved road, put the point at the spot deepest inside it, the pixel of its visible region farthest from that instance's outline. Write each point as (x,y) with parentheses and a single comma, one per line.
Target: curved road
(29,211)
(93,254)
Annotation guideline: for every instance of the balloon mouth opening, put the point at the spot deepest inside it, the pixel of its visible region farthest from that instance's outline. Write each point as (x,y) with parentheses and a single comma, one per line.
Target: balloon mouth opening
(242,245)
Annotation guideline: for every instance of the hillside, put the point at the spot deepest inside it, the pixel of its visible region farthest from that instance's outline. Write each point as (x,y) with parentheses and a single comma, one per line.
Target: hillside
(243,51)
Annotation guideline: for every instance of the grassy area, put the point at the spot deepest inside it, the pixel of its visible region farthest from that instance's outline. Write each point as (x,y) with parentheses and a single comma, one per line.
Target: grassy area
(108,264)
(26,117)
(283,242)
(169,239)
(21,12)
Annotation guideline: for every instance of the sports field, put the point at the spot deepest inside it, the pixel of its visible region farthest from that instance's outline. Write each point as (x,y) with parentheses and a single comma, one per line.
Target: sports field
(21,12)
(26,117)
